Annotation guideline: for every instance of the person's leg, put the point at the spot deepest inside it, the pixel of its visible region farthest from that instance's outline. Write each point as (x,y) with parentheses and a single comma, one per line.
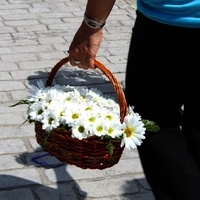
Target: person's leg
(191,129)
(170,170)
(154,85)
(191,114)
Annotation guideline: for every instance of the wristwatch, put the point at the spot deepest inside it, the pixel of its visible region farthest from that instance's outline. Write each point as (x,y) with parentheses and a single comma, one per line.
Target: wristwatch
(92,23)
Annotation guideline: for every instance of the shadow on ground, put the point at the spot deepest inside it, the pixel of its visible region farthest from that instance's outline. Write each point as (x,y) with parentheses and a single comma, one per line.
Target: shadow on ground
(75,77)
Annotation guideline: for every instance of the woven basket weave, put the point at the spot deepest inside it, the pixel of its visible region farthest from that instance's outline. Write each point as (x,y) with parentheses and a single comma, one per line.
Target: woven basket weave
(88,153)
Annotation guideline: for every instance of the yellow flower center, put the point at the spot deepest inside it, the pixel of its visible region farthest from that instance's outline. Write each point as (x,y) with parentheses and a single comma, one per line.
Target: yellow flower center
(62,113)
(75,116)
(88,108)
(40,112)
(99,128)
(110,131)
(92,119)
(81,129)
(109,117)
(50,120)
(68,99)
(129,131)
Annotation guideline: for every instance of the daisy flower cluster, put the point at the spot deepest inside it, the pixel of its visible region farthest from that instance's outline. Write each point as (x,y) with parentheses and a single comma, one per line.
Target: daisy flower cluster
(85,112)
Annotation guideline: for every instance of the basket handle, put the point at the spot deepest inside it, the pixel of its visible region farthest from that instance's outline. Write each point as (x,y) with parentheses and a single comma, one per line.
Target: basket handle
(117,87)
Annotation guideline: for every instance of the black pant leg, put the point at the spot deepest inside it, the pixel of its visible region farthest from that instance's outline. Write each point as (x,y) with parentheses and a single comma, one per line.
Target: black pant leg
(170,170)
(155,85)
(191,114)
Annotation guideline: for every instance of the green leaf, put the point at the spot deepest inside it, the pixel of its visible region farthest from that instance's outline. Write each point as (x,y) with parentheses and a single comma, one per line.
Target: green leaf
(24,122)
(150,125)
(110,147)
(20,103)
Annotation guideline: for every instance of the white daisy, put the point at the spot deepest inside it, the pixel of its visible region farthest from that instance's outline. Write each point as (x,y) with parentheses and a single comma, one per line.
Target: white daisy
(114,129)
(60,110)
(50,121)
(73,113)
(98,128)
(35,111)
(80,130)
(133,130)
(131,112)
(109,115)
(91,118)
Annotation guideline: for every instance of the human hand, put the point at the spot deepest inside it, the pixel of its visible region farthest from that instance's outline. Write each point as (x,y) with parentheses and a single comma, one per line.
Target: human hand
(84,46)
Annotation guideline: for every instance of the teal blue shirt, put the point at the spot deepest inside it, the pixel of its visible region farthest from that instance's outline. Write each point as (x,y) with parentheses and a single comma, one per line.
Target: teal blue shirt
(184,13)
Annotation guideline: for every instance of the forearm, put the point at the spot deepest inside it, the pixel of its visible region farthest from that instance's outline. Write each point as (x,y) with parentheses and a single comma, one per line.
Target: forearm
(99,10)
(88,38)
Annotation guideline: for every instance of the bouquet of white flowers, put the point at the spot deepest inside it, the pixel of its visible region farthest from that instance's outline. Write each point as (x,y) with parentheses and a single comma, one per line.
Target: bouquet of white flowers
(83,114)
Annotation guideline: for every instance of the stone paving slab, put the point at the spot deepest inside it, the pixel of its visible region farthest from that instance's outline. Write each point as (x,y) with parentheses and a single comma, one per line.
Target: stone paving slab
(34,36)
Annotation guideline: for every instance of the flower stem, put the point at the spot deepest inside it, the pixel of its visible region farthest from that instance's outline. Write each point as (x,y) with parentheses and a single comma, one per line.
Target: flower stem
(45,139)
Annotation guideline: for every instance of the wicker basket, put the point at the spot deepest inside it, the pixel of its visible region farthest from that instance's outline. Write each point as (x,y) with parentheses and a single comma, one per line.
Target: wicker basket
(88,153)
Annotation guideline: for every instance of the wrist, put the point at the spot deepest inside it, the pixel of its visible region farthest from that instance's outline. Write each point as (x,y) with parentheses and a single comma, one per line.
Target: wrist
(93,23)
(86,30)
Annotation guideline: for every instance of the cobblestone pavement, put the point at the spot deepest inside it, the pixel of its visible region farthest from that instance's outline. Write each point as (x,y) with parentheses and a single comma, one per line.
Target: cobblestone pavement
(34,36)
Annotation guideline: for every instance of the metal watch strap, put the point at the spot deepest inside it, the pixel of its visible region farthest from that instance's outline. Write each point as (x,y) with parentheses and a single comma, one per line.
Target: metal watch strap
(92,23)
